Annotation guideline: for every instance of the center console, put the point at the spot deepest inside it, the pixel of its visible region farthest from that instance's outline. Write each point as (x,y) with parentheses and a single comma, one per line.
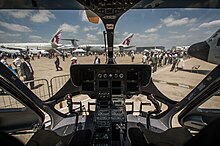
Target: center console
(110,85)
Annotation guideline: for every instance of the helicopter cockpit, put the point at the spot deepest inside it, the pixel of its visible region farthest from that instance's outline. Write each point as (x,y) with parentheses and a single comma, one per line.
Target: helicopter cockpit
(110,85)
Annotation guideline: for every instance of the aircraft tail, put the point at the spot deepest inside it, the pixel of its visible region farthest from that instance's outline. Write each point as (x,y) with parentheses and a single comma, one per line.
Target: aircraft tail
(56,38)
(127,40)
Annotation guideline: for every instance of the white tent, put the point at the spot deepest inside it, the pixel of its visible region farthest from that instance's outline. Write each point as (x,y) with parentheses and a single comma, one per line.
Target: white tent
(79,51)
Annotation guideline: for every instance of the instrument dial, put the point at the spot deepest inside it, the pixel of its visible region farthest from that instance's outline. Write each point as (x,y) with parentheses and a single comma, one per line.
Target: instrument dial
(121,75)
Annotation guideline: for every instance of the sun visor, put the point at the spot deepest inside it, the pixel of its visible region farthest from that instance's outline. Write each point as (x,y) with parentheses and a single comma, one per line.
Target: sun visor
(92,17)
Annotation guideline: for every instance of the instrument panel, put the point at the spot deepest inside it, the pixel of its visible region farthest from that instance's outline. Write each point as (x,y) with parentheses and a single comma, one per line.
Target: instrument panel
(106,81)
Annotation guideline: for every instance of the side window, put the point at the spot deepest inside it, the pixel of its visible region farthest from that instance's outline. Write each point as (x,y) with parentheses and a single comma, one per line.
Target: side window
(218,42)
(212,103)
(7,101)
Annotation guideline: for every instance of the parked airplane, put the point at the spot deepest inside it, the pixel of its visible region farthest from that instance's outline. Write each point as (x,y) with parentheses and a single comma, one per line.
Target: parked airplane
(125,44)
(71,46)
(36,51)
(51,45)
(180,48)
(208,50)
(8,51)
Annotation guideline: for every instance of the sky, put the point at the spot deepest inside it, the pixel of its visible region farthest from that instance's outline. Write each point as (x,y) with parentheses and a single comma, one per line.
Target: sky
(157,27)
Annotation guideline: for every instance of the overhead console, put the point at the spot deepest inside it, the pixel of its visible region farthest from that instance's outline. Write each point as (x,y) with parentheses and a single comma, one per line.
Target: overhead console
(107,81)
(104,7)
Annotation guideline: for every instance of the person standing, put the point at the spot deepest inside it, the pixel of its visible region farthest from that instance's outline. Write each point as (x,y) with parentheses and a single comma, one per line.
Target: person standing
(132,57)
(174,62)
(27,71)
(97,60)
(73,60)
(17,63)
(180,63)
(63,56)
(4,60)
(57,63)
(154,62)
(144,59)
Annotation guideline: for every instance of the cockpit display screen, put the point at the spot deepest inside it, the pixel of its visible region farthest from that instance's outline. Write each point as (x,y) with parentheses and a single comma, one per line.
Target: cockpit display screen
(104,81)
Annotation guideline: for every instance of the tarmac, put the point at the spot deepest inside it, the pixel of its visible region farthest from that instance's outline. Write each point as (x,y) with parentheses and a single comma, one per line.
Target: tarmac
(175,85)
(183,80)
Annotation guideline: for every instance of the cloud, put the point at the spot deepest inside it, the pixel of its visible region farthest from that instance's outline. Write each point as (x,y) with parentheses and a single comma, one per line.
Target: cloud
(18,13)
(69,28)
(90,28)
(125,34)
(91,38)
(215,23)
(15,27)
(154,36)
(42,16)
(10,38)
(35,37)
(13,34)
(99,32)
(178,36)
(151,39)
(171,21)
(167,20)
(173,32)
(151,30)
(193,29)
(208,32)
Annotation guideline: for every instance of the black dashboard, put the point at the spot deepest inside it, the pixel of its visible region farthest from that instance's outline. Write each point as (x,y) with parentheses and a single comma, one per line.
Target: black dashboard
(106,81)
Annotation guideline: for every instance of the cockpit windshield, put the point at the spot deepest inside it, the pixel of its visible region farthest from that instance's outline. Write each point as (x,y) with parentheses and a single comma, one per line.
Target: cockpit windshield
(159,37)
(107,66)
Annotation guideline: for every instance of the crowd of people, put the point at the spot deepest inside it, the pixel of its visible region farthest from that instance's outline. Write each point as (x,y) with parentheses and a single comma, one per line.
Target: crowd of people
(23,68)
(159,59)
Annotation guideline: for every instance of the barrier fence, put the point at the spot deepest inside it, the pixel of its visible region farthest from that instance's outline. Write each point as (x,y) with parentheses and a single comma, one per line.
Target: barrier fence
(42,89)
(57,82)
(7,101)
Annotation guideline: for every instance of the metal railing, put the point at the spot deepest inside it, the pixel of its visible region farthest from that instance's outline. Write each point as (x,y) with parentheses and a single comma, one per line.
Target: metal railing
(7,101)
(42,89)
(56,83)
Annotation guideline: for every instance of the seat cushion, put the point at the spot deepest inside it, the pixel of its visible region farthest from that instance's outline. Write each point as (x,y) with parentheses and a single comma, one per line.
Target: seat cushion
(177,136)
(50,138)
